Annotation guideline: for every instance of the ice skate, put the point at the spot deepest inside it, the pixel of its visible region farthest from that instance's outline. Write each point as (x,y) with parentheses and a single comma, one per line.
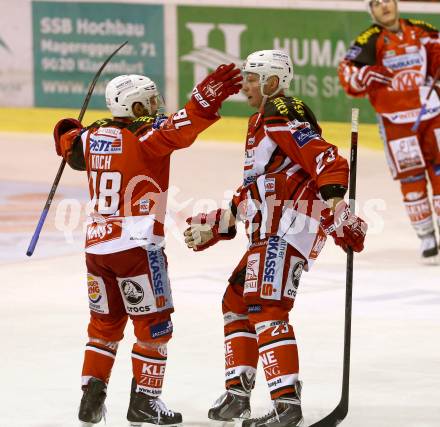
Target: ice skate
(286,413)
(232,405)
(145,411)
(429,249)
(92,409)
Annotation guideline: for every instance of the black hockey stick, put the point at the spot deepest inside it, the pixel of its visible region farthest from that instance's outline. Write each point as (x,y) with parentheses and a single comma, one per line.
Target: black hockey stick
(56,181)
(340,412)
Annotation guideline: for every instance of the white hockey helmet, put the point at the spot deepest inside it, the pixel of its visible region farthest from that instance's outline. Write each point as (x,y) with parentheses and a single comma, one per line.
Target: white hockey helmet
(267,63)
(368,6)
(123,91)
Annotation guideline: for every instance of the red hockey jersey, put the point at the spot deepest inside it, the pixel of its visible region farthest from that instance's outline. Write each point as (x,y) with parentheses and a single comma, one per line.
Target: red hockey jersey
(128,166)
(287,164)
(413,56)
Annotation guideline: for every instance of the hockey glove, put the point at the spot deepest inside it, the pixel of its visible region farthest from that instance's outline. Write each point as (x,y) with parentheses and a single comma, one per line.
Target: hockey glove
(64,133)
(370,76)
(347,229)
(205,230)
(217,86)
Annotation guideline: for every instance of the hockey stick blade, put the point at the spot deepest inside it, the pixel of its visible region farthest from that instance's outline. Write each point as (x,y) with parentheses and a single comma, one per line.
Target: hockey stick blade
(36,235)
(340,412)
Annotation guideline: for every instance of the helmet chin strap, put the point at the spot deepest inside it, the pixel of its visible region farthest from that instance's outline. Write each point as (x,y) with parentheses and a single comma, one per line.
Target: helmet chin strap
(263,101)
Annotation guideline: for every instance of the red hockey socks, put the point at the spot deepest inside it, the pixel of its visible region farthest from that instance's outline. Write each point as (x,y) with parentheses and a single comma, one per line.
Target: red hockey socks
(99,357)
(279,355)
(149,368)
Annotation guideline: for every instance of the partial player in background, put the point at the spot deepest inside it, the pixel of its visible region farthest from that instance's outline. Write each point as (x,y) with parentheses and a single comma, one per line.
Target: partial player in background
(290,199)
(393,63)
(127,159)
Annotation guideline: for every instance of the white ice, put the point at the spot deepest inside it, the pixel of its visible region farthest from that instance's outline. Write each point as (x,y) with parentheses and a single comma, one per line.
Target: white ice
(395,375)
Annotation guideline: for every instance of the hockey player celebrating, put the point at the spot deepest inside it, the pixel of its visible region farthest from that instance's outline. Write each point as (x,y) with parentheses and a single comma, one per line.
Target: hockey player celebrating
(127,160)
(290,175)
(393,63)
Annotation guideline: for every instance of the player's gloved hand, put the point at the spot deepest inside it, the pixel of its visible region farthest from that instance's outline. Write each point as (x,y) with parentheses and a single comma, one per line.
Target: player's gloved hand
(64,133)
(204,230)
(160,118)
(347,229)
(370,76)
(216,87)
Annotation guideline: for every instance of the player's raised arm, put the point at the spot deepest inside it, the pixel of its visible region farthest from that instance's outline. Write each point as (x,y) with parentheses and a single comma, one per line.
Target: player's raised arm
(201,111)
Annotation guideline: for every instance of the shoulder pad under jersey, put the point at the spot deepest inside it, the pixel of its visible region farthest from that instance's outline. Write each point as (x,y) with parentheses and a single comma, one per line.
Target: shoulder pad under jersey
(290,107)
(141,124)
(99,123)
(363,50)
(422,24)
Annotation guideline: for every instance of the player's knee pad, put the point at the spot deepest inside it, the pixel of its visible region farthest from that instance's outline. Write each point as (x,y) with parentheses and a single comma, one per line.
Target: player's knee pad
(107,329)
(153,329)
(414,188)
(236,322)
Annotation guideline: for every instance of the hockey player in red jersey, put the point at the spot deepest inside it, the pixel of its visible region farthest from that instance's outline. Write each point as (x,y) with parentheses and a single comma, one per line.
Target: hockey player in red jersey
(393,63)
(127,159)
(290,200)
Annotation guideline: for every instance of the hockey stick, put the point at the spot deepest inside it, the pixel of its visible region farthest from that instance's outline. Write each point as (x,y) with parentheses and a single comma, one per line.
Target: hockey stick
(56,181)
(422,111)
(341,410)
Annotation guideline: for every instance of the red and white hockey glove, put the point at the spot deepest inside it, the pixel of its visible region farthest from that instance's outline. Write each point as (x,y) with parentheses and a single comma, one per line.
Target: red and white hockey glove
(205,230)
(216,87)
(64,133)
(370,76)
(347,229)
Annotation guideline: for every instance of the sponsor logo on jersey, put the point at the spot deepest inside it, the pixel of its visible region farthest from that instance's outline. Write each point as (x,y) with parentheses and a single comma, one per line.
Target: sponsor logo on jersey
(411,49)
(353,52)
(389,53)
(106,141)
(366,35)
(93,289)
(132,291)
(269,184)
(144,205)
(273,268)
(304,136)
(399,62)
(281,106)
(270,263)
(158,274)
(251,277)
(295,271)
(249,158)
(407,80)
(99,232)
(255,308)
(161,329)
(251,140)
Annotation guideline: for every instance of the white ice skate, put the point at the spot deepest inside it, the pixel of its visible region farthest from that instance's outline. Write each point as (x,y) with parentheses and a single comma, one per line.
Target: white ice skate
(429,249)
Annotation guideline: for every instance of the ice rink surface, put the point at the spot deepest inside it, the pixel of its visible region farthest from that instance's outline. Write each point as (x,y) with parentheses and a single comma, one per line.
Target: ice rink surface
(395,376)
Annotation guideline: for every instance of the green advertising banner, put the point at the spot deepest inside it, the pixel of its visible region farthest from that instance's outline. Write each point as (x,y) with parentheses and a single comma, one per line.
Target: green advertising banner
(72,40)
(315,39)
